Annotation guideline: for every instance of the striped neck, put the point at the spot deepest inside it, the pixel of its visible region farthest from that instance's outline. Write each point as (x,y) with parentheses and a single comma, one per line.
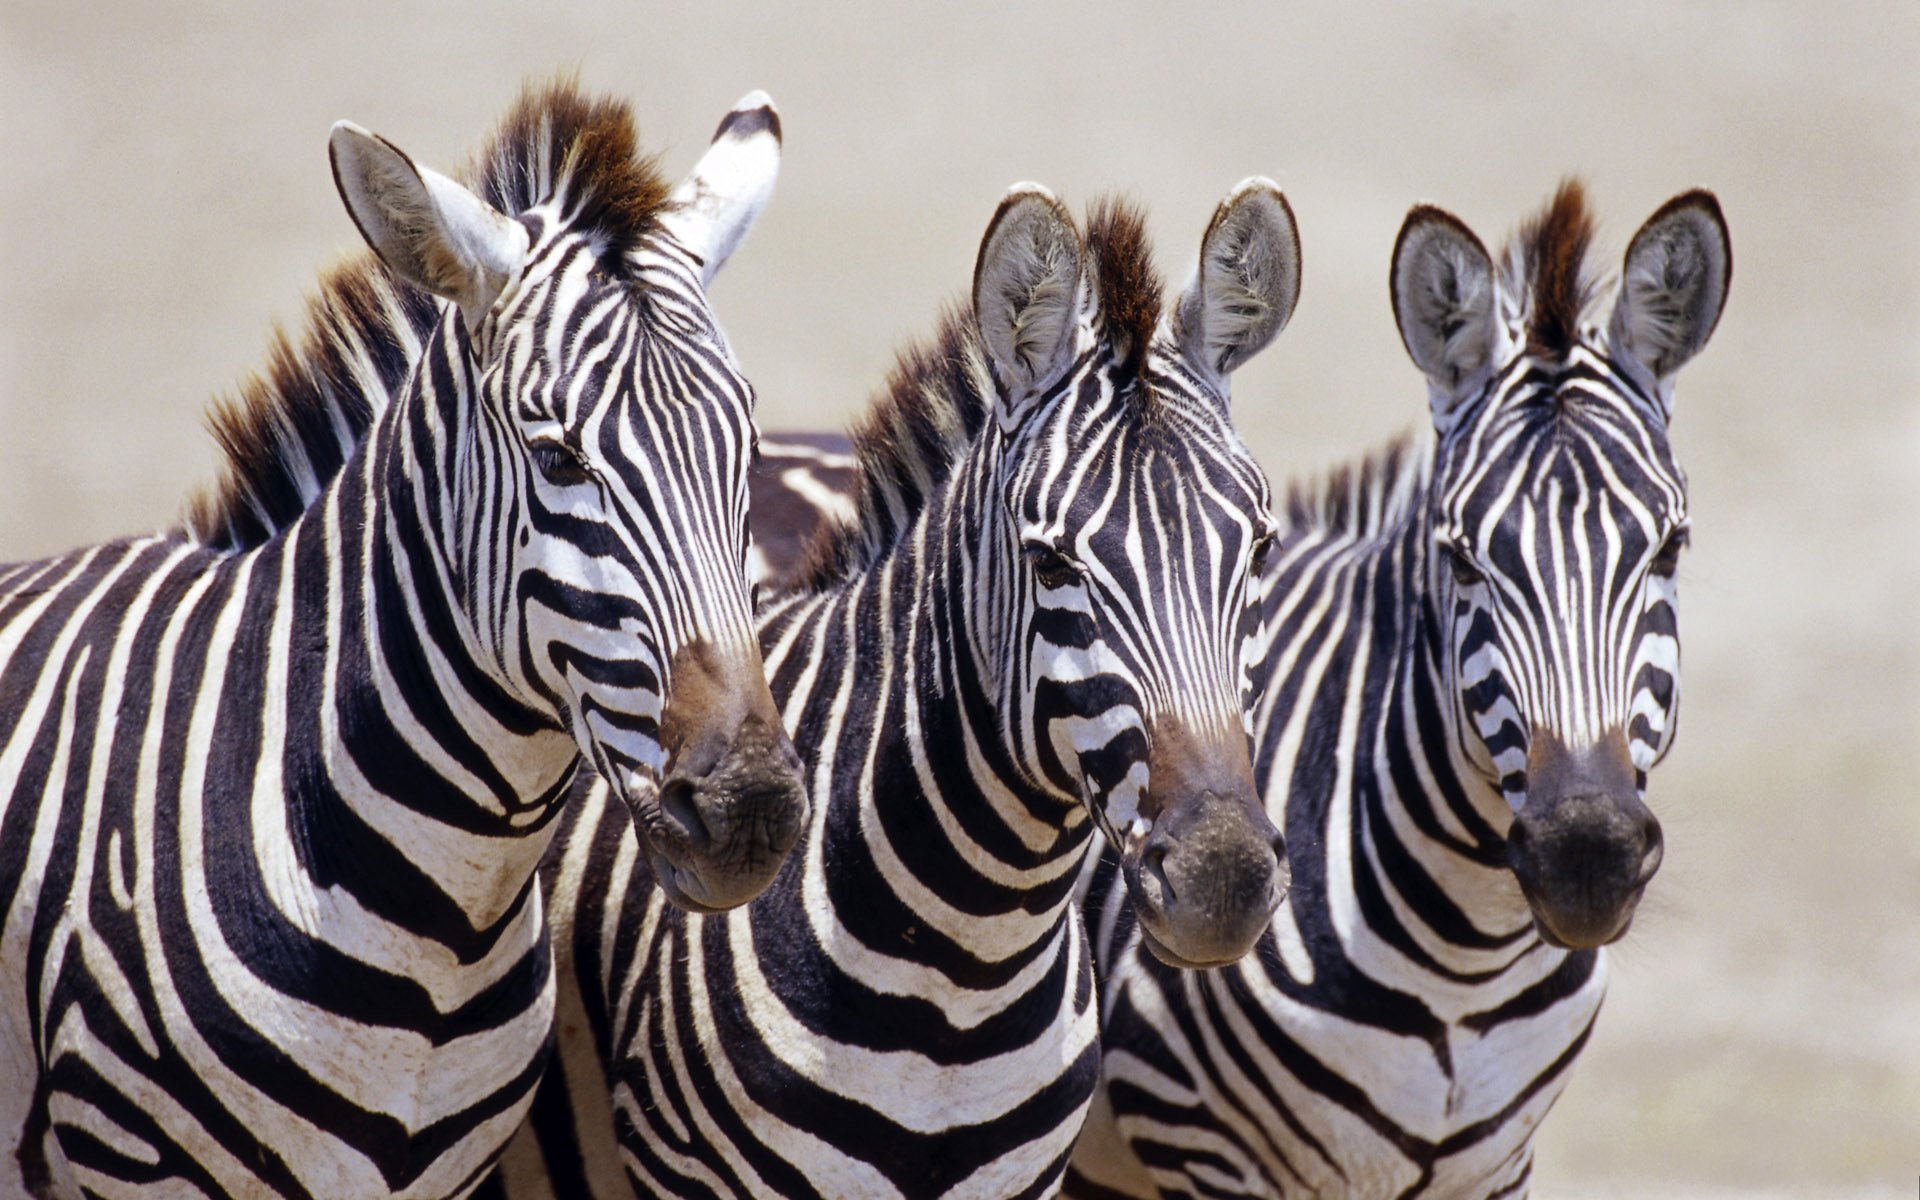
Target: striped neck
(1416,832)
(411,738)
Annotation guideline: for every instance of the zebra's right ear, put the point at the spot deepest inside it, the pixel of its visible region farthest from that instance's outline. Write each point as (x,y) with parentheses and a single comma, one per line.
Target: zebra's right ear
(427,228)
(1442,285)
(1026,288)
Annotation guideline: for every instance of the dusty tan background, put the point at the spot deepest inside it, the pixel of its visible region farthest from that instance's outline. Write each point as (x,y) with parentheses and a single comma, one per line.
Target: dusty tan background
(164,192)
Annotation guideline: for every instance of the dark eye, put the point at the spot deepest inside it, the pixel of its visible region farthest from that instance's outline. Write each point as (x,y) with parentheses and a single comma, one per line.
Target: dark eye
(560,463)
(1464,573)
(1052,568)
(1668,559)
(1262,552)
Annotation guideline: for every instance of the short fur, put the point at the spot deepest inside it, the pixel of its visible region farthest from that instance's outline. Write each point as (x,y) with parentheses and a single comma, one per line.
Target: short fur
(1123,271)
(1547,261)
(294,424)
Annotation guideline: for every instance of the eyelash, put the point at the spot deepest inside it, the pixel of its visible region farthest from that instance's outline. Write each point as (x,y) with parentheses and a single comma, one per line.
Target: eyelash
(560,464)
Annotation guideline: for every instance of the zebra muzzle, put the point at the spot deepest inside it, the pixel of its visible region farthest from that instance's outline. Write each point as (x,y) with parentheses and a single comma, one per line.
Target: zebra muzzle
(731,803)
(1583,846)
(1206,880)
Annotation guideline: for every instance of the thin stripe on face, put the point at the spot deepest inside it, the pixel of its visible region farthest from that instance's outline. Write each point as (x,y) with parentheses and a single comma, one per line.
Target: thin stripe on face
(620,428)
(1560,511)
(1156,505)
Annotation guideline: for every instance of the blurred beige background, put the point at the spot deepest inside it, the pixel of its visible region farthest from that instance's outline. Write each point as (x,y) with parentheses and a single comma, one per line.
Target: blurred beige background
(164,190)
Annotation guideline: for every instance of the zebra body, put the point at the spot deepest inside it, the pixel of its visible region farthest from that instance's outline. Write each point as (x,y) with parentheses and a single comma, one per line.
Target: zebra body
(273,787)
(1472,664)
(1037,616)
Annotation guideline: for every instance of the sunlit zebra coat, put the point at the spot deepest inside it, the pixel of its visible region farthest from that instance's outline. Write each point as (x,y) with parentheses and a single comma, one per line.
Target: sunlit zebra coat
(273,786)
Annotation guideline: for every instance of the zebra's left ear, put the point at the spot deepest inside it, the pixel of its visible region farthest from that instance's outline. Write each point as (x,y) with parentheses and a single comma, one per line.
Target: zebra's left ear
(714,206)
(427,228)
(1246,284)
(1674,284)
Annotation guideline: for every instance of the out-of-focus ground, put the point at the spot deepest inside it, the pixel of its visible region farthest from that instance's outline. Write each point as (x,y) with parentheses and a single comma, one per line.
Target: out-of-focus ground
(165,194)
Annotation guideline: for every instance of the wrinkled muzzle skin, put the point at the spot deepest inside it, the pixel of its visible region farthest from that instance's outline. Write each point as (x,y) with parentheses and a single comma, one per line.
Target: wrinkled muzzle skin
(1204,866)
(1583,846)
(731,804)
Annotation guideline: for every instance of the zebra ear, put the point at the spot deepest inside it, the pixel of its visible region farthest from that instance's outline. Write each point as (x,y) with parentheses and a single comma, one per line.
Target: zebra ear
(427,228)
(715,205)
(1442,287)
(1026,286)
(1247,282)
(1674,284)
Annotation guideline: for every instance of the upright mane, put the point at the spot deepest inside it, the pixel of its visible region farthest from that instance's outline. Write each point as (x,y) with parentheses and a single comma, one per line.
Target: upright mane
(1546,262)
(940,392)
(293,424)
(1364,499)
(935,401)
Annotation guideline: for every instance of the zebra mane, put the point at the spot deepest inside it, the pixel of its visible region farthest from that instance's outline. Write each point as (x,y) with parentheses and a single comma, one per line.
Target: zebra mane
(1546,262)
(934,403)
(1364,499)
(940,392)
(292,425)
(1123,272)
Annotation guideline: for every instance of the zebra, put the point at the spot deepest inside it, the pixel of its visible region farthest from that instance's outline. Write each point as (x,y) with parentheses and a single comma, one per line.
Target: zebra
(1034,624)
(1472,663)
(274,785)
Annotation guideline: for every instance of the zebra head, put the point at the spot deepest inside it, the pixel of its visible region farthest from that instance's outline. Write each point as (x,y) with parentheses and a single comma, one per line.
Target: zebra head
(591,515)
(1558,518)
(1135,520)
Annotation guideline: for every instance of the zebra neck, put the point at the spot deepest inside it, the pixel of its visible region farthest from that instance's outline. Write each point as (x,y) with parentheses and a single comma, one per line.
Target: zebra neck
(1430,846)
(920,800)
(413,772)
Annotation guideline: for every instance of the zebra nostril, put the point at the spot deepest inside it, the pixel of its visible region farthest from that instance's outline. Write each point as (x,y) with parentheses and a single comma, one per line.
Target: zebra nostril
(1153,867)
(1655,852)
(677,803)
(1517,838)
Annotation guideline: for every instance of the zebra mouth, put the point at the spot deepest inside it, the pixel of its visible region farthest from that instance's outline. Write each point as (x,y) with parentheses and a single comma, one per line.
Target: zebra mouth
(681,887)
(1160,951)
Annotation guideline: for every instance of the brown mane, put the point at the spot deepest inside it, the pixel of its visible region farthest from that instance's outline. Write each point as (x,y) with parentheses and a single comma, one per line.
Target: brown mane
(1123,271)
(1551,255)
(294,423)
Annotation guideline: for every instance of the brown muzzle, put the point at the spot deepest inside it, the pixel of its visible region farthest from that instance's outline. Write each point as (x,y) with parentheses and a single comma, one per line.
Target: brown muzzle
(732,802)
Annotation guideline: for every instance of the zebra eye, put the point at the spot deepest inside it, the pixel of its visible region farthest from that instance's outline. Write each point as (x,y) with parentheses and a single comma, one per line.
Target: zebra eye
(559,463)
(1465,573)
(1052,568)
(1262,551)
(1668,559)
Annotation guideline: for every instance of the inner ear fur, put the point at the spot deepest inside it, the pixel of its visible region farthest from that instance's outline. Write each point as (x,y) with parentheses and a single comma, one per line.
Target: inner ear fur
(1442,288)
(1673,284)
(430,230)
(1247,282)
(1026,285)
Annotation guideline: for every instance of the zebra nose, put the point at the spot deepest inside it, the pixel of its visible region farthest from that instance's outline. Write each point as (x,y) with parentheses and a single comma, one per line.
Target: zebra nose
(1208,879)
(733,808)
